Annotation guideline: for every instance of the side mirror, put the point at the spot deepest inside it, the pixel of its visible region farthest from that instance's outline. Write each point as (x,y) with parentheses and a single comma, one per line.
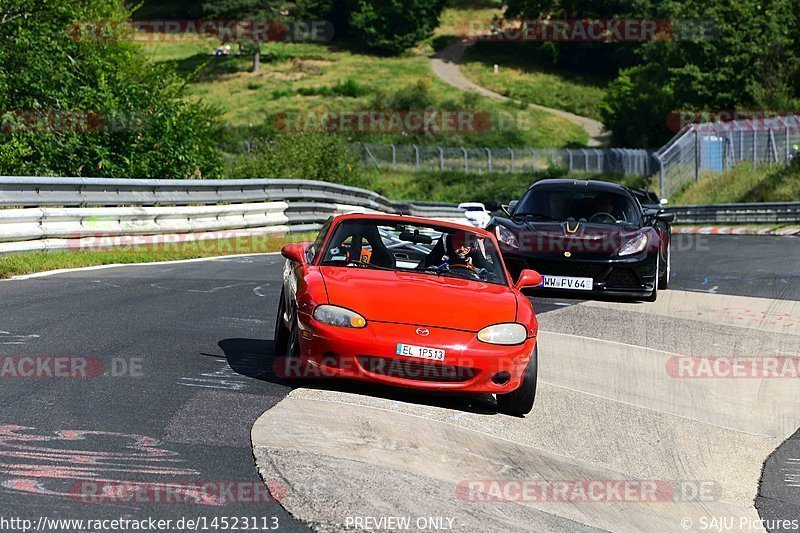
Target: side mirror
(294,252)
(663,216)
(528,279)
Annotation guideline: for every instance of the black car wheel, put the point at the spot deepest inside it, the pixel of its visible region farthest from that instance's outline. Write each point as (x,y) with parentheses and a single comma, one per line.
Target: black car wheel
(657,281)
(520,402)
(281,331)
(663,279)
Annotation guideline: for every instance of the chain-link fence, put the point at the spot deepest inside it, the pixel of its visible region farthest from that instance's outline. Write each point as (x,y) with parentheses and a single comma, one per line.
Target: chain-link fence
(702,149)
(412,158)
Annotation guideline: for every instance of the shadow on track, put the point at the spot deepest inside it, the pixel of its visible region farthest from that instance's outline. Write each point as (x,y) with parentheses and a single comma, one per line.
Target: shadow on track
(256,358)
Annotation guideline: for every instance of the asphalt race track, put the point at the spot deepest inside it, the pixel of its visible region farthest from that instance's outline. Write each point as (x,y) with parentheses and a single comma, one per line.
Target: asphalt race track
(175,361)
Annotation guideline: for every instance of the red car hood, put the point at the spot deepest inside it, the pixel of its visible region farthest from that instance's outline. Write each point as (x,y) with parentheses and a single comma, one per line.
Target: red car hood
(420,299)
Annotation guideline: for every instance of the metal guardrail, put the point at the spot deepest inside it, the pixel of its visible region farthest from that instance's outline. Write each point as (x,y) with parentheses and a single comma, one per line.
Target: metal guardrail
(56,213)
(756,213)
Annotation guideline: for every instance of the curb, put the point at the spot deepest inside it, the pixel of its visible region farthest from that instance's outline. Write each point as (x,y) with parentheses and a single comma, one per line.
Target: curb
(736,230)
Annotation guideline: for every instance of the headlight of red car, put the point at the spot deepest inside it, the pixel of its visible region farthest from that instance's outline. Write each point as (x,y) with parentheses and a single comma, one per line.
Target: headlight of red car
(339,316)
(506,334)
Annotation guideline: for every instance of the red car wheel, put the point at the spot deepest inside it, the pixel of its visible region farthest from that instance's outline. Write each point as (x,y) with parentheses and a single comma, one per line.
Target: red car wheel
(520,402)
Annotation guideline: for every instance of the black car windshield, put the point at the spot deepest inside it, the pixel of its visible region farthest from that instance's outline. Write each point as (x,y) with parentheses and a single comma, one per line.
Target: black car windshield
(430,249)
(599,207)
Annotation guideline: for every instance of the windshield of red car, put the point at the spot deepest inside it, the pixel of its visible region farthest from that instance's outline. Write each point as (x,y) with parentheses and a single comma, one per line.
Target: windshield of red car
(599,207)
(402,246)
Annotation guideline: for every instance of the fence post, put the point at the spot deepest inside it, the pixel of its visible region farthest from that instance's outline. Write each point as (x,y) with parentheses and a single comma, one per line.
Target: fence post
(600,154)
(366,155)
(466,160)
(533,161)
(511,151)
(772,146)
(489,157)
(585,160)
(441,158)
(416,157)
(569,153)
(755,145)
(661,178)
(741,146)
(786,131)
(696,155)
(394,157)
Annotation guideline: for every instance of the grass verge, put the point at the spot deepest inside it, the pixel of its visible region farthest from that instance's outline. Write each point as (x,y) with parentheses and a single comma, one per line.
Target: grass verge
(523,78)
(311,78)
(18,264)
(743,183)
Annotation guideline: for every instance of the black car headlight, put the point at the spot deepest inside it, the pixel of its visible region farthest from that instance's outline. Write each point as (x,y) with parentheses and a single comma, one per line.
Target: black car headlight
(506,236)
(634,245)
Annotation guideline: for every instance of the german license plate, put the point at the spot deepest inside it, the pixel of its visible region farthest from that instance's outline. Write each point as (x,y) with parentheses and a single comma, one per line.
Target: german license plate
(420,352)
(564,282)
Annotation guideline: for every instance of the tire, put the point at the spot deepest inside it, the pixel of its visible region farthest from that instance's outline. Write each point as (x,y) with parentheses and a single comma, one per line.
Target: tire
(281,331)
(520,402)
(663,279)
(293,346)
(289,366)
(654,295)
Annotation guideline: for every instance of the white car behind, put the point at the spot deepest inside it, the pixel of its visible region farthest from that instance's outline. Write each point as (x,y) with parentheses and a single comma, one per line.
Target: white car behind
(476,213)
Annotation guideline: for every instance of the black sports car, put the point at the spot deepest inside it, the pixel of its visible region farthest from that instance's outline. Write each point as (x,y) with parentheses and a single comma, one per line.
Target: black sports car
(588,238)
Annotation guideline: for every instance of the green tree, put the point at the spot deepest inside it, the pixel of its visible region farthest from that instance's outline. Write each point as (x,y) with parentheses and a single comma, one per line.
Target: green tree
(639,96)
(265,11)
(741,55)
(392,26)
(135,120)
(384,26)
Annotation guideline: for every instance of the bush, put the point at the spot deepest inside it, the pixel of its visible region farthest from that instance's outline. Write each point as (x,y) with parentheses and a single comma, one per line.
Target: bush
(413,97)
(311,156)
(137,122)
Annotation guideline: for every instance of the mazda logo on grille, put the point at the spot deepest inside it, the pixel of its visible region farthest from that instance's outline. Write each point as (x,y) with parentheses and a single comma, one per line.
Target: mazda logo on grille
(424,332)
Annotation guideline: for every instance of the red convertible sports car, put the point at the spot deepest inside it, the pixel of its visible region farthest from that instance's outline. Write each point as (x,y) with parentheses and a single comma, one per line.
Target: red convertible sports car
(408,302)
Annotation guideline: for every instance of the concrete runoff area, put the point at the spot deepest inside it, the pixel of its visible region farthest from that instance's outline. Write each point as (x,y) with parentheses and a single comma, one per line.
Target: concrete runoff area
(611,405)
